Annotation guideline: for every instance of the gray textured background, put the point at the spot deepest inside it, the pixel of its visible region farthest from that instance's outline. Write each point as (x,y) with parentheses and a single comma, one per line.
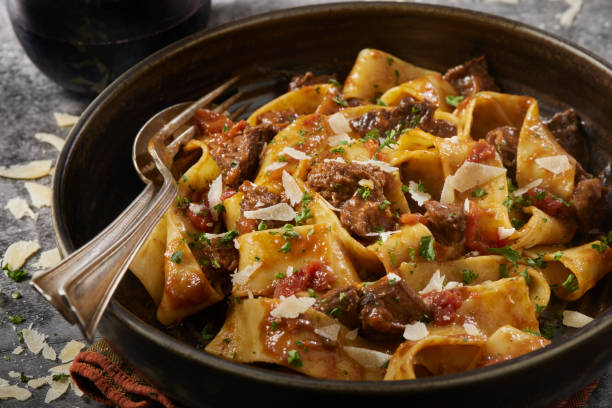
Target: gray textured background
(28,98)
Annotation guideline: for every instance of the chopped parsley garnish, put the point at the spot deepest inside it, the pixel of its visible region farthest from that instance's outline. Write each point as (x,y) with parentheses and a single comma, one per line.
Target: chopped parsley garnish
(507,252)
(208,332)
(571,283)
(468,276)
(531,331)
(334,82)
(286,248)
(219,208)
(306,198)
(453,100)
(547,330)
(262,226)
(539,308)
(288,232)
(516,223)
(225,128)
(59,377)
(227,340)
(557,255)
(18,275)
(511,187)
(281,158)
(405,189)
(312,293)
(24,378)
(421,187)
(229,237)
(525,275)
(389,139)
(16,295)
(340,100)
(426,248)
(335,312)
(389,61)
(182,202)
(216,264)
(384,204)
(540,196)
(293,358)
(536,262)
(17,319)
(364,192)
(338,150)
(303,215)
(397,76)
(380,102)
(503,271)
(273,325)
(177,257)
(479,192)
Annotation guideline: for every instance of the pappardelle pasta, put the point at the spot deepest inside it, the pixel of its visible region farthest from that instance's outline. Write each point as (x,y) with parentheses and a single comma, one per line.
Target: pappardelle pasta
(403,224)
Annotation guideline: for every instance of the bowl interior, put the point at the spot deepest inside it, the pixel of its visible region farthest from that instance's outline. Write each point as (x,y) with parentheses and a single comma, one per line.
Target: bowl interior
(95,180)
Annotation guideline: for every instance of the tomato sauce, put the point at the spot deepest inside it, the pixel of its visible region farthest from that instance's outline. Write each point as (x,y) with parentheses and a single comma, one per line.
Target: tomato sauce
(444,305)
(412,219)
(313,275)
(544,200)
(477,237)
(481,152)
(212,122)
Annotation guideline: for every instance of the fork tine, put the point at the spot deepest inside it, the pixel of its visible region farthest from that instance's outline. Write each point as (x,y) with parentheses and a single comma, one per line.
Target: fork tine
(236,114)
(229,102)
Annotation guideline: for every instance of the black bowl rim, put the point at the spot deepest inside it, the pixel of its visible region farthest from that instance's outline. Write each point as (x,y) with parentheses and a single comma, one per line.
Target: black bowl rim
(598,327)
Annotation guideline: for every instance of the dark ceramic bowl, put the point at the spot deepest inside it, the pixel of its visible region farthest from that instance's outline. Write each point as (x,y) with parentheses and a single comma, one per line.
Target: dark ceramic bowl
(94,181)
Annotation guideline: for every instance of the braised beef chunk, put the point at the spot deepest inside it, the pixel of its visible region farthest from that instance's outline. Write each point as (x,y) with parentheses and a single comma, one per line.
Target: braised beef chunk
(409,114)
(388,305)
(505,140)
(277,120)
(447,222)
(238,156)
(309,78)
(362,217)
(341,303)
(218,259)
(565,126)
(588,203)
(255,197)
(471,77)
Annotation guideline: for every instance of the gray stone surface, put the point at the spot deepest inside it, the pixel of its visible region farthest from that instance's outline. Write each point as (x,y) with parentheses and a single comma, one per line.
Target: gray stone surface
(27,100)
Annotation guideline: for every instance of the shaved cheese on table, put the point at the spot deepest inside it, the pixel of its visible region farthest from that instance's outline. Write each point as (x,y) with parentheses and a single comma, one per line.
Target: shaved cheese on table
(415,331)
(366,357)
(13,391)
(214,195)
(293,191)
(48,259)
(34,340)
(48,352)
(18,252)
(292,306)
(242,277)
(57,389)
(19,208)
(65,119)
(53,140)
(339,124)
(329,332)
(555,164)
(18,350)
(32,170)
(39,382)
(572,318)
(70,351)
(39,194)
(294,153)
(471,174)
(277,212)
(520,191)
(61,369)
(419,196)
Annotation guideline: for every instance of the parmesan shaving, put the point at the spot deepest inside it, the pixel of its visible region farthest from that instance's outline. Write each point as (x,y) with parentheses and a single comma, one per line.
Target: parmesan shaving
(13,374)
(436,283)
(419,196)
(242,277)
(471,329)
(452,285)
(53,140)
(352,335)
(555,164)
(471,174)
(13,391)
(70,351)
(19,208)
(415,331)
(18,350)
(214,195)
(466,205)
(18,252)
(32,170)
(575,319)
(392,278)
(277,212)
(65,119)
(380,164)
(296,154)
(197,208)
(567,17)
(292,306)
(39,194)
(339,124)
(250,294)
(34,340)
(520,191)
(61,369)
(336,160)
(383,235)
(39,382)
(293,191)
(276,166)
(504,233)
(236,244)
(56,389)
(329,332)
(213,236)
(447,196)
(366,357)
(48,352)
(366,183)
(336,140)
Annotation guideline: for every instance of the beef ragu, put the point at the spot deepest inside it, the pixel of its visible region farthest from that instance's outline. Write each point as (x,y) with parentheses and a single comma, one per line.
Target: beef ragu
(364,238)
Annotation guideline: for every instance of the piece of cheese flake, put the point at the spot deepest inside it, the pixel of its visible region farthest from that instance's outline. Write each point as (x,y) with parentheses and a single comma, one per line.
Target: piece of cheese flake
(250,294)
(275,166)
(520,191)
(504,233)
(392,278)
(377,163)
(53,140)
(34,340)
(276,212)
(436,283)
(352,335)
(292,306)
(13,391)
(61,369)
(336,160)
(48,352)
(447,196)
(294,153)
(293,191)
(70,351)
(242,277)
(18,252)
(471,329)
(452,285)
(415,331)
(417,195)
(554,164)
(575,319)
(77,391)
(13,374)
(339,124)
(367,358)
(18,350)
(65,119)
(57,389)
(471,174)
(19,208)
(329,332)
(39,382)
(366,183)
(342,138)
(383,236)
(32,170)
(197,208)
(40,195)
(48,259)
(567,17)
(214,195)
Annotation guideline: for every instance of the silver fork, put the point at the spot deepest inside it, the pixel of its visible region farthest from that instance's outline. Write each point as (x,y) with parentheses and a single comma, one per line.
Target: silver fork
(81,286)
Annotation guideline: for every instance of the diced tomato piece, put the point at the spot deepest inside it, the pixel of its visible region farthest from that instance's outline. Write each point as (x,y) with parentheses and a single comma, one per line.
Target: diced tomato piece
(481,152)
(238,127)
(211,121)
(444,305)
(411,219)
(202,219)
(313,275)
(477,236)
(544,200)
(371,146)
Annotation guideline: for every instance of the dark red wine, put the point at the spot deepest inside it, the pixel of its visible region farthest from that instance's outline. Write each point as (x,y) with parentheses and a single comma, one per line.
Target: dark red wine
(84,44)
